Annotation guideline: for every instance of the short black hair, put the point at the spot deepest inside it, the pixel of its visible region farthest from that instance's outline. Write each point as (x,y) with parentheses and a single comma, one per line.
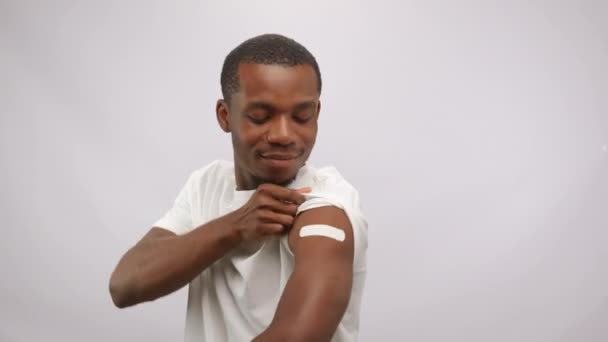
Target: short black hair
(269,49)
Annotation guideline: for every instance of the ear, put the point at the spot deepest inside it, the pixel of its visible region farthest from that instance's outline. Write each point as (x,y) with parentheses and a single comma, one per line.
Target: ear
(223,115)
(318,109)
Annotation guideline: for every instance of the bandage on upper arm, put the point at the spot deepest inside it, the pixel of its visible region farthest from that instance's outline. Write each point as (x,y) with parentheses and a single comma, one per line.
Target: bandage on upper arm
(322,230)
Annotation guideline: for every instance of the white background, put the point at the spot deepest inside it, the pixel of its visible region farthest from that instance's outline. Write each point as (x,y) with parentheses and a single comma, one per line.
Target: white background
(476,132)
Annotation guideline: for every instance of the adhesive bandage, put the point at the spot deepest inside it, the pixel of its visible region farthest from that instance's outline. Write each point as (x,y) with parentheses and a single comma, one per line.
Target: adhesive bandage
(322,230)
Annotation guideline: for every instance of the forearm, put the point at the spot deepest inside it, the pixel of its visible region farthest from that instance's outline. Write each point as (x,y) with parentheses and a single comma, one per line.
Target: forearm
(309,311)
(286,334)
(157,267)
(289,330)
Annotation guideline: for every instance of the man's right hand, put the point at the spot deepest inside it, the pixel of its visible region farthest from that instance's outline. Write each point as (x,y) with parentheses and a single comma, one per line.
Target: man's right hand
(271,210)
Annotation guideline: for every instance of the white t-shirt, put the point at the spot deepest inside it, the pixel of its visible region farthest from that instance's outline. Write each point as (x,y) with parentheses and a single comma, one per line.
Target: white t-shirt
(235,299)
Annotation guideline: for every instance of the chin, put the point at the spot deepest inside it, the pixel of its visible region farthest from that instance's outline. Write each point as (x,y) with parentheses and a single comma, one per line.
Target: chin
(278,172)
(282,180)
(279,177)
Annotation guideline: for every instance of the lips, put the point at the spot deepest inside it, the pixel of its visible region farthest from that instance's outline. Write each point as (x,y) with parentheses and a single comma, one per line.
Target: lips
(279,156)
(279,160)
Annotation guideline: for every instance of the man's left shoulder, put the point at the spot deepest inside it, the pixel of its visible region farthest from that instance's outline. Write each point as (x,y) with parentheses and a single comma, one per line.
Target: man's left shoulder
(330,188)
(329,183)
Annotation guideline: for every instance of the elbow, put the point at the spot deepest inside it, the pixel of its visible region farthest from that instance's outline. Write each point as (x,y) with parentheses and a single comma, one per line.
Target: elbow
(119,300)
(122,294)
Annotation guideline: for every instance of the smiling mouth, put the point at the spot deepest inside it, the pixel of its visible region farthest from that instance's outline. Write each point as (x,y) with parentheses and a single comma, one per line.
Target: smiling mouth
(279,156)
(279,161)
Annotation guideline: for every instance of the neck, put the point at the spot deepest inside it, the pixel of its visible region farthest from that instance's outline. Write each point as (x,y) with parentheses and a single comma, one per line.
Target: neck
(246,181)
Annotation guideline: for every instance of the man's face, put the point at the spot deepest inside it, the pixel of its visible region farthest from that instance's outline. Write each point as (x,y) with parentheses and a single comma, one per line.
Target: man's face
(273,122)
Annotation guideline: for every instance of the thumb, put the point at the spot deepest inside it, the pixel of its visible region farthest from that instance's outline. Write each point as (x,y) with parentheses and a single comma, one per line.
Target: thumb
(304,190)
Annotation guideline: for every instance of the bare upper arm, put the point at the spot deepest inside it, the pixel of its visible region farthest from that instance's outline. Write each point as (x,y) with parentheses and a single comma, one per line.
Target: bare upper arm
(329,215)
(318,291)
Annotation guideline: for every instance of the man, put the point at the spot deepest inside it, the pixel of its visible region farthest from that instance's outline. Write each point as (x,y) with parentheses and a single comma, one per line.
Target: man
(272,249)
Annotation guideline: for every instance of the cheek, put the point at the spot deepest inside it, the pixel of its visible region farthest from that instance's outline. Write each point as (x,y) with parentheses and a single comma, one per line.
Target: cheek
(249,135)
(309,135)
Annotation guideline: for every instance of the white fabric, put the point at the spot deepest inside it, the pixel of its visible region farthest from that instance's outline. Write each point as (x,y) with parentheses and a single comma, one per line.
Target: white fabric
(235,299)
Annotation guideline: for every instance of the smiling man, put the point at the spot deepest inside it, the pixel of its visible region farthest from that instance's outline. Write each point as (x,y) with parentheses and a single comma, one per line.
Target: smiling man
(272,249)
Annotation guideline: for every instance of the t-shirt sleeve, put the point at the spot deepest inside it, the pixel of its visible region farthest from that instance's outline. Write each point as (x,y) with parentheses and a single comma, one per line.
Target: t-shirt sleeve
(338,193)
(179,218)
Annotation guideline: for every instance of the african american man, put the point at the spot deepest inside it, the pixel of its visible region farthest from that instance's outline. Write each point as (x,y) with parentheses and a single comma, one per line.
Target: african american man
(273,249)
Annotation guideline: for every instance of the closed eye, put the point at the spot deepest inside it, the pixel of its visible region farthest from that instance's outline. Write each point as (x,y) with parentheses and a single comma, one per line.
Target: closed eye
(258,118)
(303,116)
(301,119)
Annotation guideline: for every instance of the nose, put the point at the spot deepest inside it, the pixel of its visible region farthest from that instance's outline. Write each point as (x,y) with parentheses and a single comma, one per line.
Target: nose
(279,131)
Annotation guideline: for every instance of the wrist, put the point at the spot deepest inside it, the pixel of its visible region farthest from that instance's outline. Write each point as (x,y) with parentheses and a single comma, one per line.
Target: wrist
(231,233)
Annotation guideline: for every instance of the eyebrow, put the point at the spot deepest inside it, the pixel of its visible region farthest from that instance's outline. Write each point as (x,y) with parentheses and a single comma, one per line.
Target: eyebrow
(305,105)
(269,107)
(260,105)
